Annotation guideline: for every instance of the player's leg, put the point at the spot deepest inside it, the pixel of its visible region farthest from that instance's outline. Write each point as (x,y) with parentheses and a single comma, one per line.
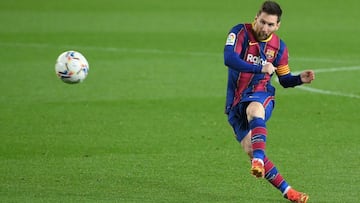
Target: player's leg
(257,115)
(246,145)
(271,172)
(273,176)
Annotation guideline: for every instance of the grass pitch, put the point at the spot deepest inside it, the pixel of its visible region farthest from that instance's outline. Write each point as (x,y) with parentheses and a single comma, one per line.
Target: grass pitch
(147,125)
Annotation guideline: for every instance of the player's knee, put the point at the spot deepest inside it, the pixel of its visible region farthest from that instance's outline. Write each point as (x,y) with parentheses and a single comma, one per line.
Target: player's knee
(255,109)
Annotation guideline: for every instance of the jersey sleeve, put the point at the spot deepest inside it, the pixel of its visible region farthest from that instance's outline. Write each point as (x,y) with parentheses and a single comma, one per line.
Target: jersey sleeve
(286,79)
(282,62)
(236,43)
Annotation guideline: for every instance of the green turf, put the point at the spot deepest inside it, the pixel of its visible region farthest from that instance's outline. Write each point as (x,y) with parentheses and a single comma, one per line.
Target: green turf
(147,125)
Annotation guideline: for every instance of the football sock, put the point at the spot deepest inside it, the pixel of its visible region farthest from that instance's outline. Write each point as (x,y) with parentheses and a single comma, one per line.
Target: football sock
(258,137)
(258,143)
(274,177)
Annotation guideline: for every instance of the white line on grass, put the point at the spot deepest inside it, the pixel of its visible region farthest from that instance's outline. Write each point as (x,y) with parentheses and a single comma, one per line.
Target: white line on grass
(320,91)
(328,92)
(148,51)
(111,49)
(190,53)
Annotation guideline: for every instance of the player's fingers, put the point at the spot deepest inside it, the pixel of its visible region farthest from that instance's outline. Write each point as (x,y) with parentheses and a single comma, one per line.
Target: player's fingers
(311,74)
(274,69)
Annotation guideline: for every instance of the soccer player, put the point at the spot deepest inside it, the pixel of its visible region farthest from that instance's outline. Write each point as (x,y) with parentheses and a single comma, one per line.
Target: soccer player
(253,53)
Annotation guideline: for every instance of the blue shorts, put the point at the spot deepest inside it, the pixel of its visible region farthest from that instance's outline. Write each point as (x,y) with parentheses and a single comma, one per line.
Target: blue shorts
(237,115)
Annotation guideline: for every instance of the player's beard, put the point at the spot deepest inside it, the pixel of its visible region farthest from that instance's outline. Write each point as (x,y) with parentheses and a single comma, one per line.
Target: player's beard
(262,35)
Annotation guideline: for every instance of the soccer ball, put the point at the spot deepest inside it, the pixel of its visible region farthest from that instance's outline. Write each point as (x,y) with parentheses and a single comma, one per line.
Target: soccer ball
(71,67)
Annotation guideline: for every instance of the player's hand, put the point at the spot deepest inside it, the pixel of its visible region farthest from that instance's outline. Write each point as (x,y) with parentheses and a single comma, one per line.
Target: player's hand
(268,68)
(307,76)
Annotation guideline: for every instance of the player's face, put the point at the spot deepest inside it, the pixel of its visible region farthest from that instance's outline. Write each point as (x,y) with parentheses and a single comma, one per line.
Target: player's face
(265,24)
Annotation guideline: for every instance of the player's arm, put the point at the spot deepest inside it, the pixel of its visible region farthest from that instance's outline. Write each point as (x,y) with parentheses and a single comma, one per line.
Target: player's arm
(286,79)
(289,80)
(233,61)
(233,47)
(284,74)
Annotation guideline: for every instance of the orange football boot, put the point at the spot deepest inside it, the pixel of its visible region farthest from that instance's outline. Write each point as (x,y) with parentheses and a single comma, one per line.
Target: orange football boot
(296,196)
(257,168)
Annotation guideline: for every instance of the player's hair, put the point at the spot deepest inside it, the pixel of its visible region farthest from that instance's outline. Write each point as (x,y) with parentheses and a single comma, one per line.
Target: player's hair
(272,8)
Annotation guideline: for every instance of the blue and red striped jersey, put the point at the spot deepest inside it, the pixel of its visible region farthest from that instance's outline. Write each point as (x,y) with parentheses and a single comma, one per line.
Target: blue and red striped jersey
(244,56)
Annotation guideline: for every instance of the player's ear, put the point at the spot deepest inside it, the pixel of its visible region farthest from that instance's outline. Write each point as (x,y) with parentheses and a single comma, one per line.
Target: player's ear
(255,19)
(277,26)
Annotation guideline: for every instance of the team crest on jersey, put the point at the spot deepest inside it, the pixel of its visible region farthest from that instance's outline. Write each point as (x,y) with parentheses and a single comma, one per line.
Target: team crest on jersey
(231,39)
(270,54)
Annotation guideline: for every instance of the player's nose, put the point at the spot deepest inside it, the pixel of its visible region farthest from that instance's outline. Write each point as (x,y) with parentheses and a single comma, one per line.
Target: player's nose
(264,28)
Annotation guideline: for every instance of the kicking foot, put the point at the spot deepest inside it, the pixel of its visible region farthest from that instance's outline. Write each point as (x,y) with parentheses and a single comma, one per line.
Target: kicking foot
(296,196)
(257,168)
